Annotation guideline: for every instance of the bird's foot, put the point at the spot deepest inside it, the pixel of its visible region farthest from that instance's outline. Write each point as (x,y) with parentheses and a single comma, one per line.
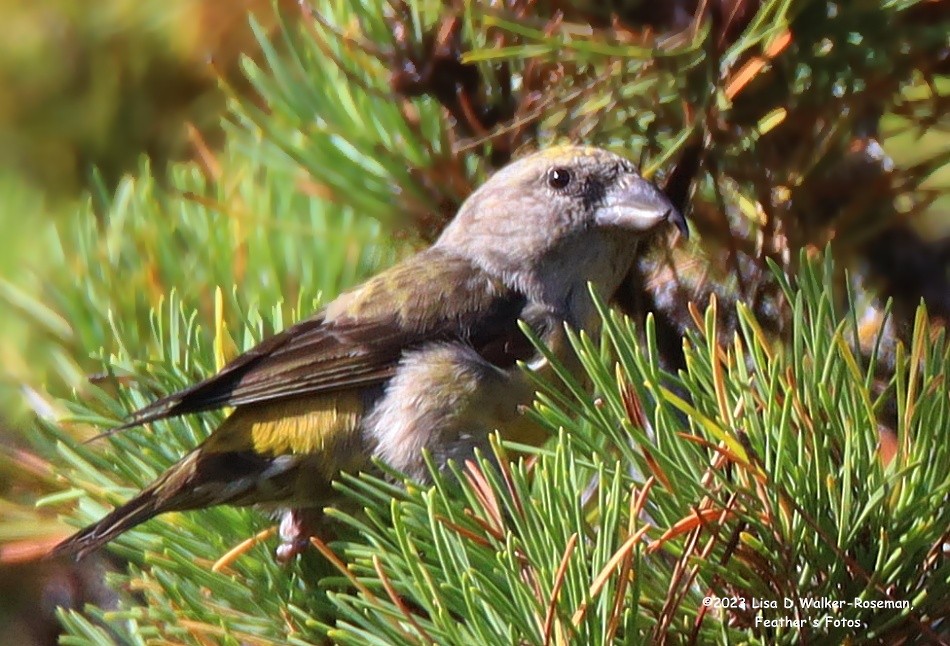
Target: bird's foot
(296,528)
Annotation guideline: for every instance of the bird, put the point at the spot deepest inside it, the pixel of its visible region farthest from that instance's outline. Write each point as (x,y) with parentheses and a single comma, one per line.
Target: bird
(427,355)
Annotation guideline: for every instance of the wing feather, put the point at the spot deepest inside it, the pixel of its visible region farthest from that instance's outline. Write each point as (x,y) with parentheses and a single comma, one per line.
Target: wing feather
(358,340)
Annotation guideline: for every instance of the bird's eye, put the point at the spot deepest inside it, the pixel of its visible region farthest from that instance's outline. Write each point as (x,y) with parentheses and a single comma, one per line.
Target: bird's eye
(559,178)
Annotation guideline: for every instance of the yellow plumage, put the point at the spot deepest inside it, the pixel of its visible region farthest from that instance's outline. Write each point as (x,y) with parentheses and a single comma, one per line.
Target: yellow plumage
(293,427)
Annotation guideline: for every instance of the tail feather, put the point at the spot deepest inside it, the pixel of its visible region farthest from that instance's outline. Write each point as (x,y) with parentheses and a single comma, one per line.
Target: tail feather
(138,510)
(173,491)
(200,479)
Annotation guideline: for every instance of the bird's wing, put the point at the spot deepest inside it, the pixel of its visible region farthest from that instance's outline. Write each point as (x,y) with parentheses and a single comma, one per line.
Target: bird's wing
(358,339)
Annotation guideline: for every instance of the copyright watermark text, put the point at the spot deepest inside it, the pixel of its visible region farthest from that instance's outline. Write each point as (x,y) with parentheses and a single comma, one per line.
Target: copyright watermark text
(797,606)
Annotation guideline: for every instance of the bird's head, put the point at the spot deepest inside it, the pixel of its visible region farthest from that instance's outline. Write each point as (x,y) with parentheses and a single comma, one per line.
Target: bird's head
(556,219)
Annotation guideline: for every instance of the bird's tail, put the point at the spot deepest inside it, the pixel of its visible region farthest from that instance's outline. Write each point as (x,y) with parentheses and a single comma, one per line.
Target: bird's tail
(173,491)
(137,510)
(203,478)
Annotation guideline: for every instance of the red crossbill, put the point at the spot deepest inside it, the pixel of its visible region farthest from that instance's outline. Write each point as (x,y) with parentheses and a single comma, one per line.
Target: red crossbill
(422,356)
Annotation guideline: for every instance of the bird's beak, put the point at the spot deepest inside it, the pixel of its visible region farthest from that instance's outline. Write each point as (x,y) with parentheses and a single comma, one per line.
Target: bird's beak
(640,206)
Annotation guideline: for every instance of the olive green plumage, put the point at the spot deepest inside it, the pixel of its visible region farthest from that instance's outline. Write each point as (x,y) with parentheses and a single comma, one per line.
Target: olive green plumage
(422,356)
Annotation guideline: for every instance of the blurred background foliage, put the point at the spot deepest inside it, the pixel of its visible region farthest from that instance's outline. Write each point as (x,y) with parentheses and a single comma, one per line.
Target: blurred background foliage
(97,85)
(88,90)
(178,180)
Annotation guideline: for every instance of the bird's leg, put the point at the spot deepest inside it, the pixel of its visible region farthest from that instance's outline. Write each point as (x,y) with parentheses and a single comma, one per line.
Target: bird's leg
(296,528)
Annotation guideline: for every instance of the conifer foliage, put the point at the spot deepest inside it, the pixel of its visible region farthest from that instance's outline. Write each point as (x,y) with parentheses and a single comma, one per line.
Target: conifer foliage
(769,412)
